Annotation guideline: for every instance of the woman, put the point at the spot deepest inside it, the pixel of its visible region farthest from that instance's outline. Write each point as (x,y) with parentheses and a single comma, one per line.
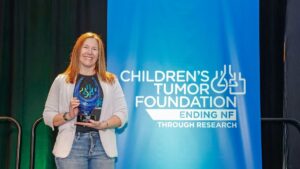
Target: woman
(87,104)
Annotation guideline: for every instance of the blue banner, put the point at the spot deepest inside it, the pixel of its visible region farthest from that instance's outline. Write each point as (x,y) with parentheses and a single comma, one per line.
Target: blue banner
(190,73)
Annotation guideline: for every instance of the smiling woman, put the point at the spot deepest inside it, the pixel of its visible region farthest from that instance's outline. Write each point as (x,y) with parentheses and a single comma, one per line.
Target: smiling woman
(88,54)
(86,103)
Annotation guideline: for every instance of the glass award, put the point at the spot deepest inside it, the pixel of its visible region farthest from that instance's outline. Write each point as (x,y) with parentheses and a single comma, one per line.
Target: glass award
(87,92)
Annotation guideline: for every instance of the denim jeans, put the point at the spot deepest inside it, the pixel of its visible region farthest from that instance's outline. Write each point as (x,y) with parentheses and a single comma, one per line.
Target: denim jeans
(86,153)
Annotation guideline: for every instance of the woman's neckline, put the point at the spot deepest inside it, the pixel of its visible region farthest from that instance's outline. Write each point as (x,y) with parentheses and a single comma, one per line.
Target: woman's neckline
(87,75)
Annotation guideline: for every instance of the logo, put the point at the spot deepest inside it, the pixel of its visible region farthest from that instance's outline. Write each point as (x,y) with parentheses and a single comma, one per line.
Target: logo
(189,98)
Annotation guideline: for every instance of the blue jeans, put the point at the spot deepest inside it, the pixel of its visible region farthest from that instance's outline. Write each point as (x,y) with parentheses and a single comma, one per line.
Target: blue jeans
(86,153)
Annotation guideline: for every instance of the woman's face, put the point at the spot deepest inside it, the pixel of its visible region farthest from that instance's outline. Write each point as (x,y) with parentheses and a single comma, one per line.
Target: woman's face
(89,53)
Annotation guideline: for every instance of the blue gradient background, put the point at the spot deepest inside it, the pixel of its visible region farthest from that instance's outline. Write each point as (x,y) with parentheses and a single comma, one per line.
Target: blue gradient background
(186,35)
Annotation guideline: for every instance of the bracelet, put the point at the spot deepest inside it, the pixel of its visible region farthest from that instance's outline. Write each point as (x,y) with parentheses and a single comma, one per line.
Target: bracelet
(65,116)
(103,123)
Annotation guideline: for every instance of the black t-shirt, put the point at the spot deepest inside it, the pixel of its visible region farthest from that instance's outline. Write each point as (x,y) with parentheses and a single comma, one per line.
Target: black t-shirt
(89,92)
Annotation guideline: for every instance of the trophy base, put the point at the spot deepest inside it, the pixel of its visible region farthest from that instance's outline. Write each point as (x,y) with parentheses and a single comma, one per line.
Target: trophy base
(85,118)
(94,115)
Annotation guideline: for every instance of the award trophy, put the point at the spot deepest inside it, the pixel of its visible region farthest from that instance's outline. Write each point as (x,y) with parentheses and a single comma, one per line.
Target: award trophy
(87,113)
(89,102)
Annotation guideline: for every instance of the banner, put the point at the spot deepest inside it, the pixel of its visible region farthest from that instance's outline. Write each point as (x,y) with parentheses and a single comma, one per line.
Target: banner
(190,73)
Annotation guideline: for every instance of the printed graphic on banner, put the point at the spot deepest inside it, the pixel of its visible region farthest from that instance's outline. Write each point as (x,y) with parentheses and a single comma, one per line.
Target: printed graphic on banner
(190,99)
(190,74)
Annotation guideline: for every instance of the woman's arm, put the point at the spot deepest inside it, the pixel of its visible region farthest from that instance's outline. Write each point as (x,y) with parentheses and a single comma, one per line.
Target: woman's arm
(112,122)
(62,118)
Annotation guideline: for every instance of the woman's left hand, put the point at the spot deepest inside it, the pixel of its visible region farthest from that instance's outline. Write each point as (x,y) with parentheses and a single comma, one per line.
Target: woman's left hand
(93,124)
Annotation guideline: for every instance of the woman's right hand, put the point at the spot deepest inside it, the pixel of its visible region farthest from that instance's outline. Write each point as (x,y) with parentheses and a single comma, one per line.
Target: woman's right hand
(61,118)
(73,109)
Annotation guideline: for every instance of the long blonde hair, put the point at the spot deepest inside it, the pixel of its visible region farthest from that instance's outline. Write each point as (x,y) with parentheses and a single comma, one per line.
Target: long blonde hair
(100,68)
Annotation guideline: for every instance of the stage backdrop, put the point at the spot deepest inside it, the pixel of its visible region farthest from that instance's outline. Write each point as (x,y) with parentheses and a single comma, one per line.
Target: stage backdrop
(190,73)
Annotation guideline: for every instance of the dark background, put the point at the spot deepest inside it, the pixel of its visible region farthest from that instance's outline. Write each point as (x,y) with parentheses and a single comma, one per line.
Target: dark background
(36,38)
(272,28)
